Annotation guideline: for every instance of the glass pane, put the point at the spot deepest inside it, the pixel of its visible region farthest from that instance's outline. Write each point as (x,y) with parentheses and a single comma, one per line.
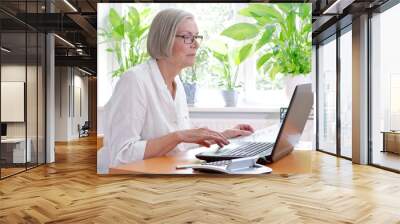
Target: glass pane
(31,100)
(22,86)
(386,89)
(13,85)
(327,96)
(346,94)
(41,99)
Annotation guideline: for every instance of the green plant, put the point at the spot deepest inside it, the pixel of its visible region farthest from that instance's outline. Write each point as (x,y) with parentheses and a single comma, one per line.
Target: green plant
(229,60)
(266,83)
(127,35)
(192,74)
(281,34)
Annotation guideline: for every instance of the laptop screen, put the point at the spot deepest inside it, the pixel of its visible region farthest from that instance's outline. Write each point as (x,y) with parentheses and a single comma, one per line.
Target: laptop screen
(294,122)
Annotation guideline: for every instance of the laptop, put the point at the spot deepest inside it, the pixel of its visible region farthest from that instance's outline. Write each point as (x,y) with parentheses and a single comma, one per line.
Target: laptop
(289,133)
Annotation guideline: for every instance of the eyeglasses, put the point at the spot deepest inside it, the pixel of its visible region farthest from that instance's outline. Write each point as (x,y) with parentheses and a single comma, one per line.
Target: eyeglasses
(189,39)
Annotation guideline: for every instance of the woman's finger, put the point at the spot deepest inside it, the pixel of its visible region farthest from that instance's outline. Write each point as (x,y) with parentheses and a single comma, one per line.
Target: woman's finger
(224,140)
(250,128)
(204,143)
(220,144)
(222,137)
(217,138)
(246,127)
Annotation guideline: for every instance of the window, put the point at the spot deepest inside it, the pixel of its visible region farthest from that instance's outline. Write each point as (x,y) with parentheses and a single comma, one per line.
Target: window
(22,69)
(385,88)
(327,96)
(346,93)
(256,90)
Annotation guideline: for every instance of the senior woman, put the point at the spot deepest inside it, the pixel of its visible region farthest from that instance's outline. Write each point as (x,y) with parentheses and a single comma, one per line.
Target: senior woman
(147,115)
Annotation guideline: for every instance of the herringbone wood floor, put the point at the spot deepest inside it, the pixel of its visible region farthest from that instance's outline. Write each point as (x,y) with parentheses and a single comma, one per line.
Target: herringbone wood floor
(70,191)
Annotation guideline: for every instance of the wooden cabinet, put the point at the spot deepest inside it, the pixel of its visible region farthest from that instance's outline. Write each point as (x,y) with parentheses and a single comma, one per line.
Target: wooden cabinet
(391,141)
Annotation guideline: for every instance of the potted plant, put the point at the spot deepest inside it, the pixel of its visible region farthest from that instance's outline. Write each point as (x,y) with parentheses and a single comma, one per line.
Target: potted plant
(281,34)
(127,35)
(227,68)
(191,76)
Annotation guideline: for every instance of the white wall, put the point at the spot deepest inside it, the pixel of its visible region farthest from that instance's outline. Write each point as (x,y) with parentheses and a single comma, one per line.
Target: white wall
(14,73)
(80,83)
(70,83)
(61,103)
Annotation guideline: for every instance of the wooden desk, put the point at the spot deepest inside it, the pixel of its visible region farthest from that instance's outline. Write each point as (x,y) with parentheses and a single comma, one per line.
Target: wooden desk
(100,144)
(299,161)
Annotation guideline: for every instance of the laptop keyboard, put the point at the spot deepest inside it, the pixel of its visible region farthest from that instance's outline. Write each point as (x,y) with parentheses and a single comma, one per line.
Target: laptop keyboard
(250,149)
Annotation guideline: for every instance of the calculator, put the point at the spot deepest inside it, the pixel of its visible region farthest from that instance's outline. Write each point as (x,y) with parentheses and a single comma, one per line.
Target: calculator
(247,165)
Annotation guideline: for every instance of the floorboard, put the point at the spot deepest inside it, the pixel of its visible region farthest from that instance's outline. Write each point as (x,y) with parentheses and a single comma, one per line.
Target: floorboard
(70,191)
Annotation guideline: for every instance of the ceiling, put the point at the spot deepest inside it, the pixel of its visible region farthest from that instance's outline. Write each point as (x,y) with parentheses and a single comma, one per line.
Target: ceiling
(76,25)
(75,21)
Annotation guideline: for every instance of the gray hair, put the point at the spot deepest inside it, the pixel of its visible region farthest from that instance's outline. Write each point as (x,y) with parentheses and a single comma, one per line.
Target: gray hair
(163,30)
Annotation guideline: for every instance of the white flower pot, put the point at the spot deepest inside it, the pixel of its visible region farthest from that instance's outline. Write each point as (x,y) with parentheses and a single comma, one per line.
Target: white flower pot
(230,97)
(190,90)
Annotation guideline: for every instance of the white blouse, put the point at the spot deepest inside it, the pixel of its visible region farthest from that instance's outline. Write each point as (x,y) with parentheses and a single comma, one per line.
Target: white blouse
(141,108)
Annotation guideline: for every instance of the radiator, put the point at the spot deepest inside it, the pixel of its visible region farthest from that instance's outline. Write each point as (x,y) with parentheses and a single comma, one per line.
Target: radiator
(257,124)
(223,124)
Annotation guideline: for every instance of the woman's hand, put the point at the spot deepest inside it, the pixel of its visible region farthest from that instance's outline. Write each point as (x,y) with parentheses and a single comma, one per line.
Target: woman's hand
(238,130)
(202,136)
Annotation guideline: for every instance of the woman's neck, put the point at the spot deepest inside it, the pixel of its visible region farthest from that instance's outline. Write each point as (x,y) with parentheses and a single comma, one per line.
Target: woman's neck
(168,70)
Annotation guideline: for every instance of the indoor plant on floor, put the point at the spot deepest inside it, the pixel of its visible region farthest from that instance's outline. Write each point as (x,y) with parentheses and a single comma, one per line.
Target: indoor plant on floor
(281,36)
(227,68)
(191,76)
